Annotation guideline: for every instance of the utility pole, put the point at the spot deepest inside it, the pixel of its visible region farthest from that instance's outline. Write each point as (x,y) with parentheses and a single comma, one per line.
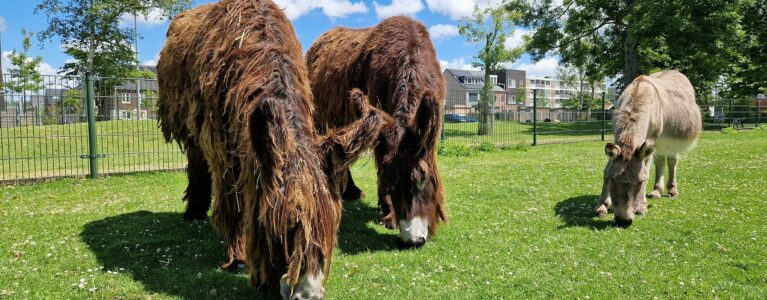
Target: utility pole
(138,68)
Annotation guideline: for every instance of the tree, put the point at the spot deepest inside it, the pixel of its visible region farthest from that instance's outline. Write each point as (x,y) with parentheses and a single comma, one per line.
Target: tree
(522,90)
(92,34)
(24,74)
(488,29)
(631,37)
(73,102)
(751,78)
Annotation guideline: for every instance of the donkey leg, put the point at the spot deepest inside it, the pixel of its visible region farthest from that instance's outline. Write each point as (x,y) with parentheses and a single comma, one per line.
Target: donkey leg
(229,223)
(389,219)
(198,190)
(671,185)
(660,164)
(604,199)
(352,192)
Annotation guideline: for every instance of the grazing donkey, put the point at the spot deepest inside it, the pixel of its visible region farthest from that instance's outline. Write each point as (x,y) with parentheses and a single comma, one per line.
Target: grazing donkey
(235,95)
(395,63)
(656,116)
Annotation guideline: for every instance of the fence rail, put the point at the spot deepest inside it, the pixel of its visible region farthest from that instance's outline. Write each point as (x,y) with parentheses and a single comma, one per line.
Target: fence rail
(45,130)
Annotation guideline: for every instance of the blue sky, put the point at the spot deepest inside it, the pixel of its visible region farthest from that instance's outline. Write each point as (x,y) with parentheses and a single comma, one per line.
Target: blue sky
(310,18)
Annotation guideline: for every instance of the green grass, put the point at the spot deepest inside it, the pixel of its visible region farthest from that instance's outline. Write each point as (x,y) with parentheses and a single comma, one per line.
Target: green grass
(521,227)
(55,150)
(511,132)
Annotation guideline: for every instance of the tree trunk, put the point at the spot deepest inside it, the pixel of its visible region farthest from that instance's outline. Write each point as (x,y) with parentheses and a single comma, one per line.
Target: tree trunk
(485,100)
(630,56)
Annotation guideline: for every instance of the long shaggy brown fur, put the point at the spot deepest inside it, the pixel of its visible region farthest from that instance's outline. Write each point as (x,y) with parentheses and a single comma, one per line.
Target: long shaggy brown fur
(235,95)
(395,64)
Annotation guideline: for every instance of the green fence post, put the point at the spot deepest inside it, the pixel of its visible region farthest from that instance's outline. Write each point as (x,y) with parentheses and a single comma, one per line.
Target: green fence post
(758,113)
(535,117)
(91,99)
(604,116)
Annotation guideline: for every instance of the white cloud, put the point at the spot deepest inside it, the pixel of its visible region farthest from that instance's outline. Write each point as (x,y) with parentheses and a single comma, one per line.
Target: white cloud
(294,9)
(153,18)
(516,39)
(443,31)
(457,9)
(457,63)
(152,62)
(398,8)
(44,68)
(544,67)
(3,25)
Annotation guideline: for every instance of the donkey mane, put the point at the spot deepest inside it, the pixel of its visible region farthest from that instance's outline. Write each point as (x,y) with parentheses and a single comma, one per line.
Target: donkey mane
(635,108)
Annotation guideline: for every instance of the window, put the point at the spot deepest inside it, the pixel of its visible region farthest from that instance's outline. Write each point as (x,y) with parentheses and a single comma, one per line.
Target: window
(512,84)
(494,79)
(511,100)
(472,80)
(473,97)
(126,98)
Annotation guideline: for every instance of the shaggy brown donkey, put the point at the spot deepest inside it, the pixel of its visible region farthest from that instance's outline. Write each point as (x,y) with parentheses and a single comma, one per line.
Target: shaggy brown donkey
(234,94)
(395,64)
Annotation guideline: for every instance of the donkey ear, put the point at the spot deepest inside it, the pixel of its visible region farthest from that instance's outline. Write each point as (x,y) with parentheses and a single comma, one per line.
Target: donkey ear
(428,121)
(612,150)
(267,131)
(647,150)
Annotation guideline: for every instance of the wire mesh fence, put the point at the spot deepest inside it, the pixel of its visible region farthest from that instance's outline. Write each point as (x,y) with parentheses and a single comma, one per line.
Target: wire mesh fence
(44,127)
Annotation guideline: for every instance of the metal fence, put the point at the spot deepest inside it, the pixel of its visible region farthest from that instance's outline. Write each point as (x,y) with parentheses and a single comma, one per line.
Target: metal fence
(539,124)
(47,132)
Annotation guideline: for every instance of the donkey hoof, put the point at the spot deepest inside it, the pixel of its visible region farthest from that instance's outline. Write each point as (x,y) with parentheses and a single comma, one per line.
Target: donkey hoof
(600,211)
(656,194)
(673,194)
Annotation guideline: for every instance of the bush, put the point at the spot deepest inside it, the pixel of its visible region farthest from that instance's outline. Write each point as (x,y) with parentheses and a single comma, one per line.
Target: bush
(485,147)
(515,147)
(454,150)
(729,130)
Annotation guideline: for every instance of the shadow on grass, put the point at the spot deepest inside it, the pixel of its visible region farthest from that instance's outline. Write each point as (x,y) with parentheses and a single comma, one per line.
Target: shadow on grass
(579,212)
(167,255)
(356,233)
(170,256)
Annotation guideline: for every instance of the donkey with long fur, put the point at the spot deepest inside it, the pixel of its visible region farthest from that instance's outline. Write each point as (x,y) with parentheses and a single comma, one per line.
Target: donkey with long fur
(395,64)
(657,119)
(235,96)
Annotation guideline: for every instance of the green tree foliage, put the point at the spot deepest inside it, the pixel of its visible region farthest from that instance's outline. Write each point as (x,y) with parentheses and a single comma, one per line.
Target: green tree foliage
(488,29)
(24,75)
(92,33)
(626,38)
(751,76)
(73,102)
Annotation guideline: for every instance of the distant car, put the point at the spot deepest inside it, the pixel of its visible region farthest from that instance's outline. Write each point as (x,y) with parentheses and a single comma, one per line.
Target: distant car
(454,118)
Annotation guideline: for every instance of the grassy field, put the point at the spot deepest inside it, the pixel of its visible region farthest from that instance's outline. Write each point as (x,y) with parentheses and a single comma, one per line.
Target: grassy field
(55,150)
(31,152)
(511,132)
(521,227)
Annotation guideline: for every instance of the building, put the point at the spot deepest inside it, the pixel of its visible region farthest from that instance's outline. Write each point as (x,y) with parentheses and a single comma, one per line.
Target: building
(464,88)
(551,92)
(761,102)
(130,97)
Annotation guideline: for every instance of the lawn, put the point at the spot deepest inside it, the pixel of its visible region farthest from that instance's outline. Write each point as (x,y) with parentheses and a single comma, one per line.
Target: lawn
(55,150)
(521,227)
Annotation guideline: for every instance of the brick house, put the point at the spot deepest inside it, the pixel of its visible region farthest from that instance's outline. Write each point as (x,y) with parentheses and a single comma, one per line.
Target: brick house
(464,88)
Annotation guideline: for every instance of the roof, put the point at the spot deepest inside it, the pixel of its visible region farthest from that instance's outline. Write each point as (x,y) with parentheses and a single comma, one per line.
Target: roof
(466,73)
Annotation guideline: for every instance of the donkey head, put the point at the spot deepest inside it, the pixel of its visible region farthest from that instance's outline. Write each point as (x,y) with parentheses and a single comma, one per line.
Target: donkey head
(299,209)
(626,174)
(409,182)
